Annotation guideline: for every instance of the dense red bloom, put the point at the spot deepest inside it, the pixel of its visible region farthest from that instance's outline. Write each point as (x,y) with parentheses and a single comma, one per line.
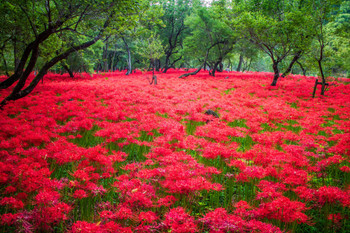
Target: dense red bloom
(179,221)
(284,209)
(8,219)
(122,140)
(336,218)
(332,195)
(147,217)
(12,202)
(81,226)
(79,194)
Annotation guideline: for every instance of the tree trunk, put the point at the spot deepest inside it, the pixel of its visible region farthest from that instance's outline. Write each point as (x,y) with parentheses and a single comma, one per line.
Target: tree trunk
(221,67)
(30,49)
(294,60)
(322,76)
(157,65)
(68,70)
(277,74)
(239,67)
(302,68)
(105,59)
(18,93)
(5,64)
(215,68)
(129,69)
(167,61)
(196,72)
(112,60)
(15,54)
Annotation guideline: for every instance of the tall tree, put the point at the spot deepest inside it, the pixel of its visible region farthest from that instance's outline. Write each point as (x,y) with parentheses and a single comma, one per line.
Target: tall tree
(323,11)
(276,27)
(174,30)
(211,39)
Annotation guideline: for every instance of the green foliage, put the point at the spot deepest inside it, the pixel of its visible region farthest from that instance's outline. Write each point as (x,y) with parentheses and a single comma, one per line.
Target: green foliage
(209,32)
(150,48)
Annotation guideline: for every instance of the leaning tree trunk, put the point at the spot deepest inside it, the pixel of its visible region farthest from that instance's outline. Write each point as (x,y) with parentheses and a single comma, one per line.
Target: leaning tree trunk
(18,93)
(129,69)
(294,60)
(22,71)
(302,68)
(70,72)
(276,75)
(196,71)
(319,61)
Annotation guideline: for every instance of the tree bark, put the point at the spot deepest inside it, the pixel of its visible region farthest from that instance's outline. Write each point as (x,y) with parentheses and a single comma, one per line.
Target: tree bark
(276,71)
(105,58)
(5,64)
(129,69)
(322,76)
(167,61)
(239,67)
(71,74)
(302,68)
(196,72)
(215,68)
(294,60)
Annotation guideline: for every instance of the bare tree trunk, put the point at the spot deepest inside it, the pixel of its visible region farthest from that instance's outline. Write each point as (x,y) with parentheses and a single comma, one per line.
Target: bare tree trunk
(129,69)
(5,64)
(323,78)
(105,62)
(294,60)
(276,75)
(112,60)
(18,93)
(15,54)
(212,73)
(196,72)
(302,68)
(167,61)
(71,74)
(239,67)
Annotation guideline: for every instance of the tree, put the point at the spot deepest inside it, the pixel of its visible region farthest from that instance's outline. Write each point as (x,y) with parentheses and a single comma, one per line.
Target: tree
(151,49)
(323,12)
(211,38)
(278,28)
(174,32)
(73,25)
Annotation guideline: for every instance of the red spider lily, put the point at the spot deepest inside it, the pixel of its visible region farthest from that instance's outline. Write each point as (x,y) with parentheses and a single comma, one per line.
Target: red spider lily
(139,152)
(177,220)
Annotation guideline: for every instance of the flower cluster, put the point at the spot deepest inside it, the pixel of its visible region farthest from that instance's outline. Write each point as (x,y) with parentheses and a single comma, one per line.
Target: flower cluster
(110,153)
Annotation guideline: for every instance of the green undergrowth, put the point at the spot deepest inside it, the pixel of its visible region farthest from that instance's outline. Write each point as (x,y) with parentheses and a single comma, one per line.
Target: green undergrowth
(232,191)
(88,138)
(245,143)
(289,125)
(238,123)
(228,91)
(191,126)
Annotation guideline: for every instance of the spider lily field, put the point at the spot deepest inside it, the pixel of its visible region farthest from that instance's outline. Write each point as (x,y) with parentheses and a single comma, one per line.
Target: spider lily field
(111,153)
